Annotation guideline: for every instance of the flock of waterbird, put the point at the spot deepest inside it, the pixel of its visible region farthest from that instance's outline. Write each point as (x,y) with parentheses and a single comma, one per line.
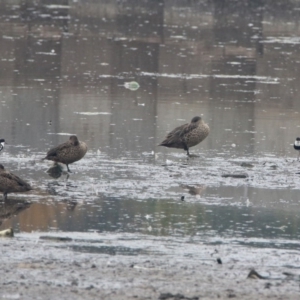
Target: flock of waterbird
(182,137)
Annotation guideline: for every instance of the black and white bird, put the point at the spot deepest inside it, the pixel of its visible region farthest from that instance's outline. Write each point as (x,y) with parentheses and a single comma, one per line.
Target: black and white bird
(2,143)
(297,146)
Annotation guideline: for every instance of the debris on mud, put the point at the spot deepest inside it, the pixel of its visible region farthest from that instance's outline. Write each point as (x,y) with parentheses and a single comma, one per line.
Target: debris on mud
(247,165)
(167,296)
(235,175)
(254,275)
(55,238)
(272,166)
(7,233)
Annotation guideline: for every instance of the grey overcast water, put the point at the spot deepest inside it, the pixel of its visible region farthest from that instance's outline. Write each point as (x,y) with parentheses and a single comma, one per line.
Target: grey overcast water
(65,69)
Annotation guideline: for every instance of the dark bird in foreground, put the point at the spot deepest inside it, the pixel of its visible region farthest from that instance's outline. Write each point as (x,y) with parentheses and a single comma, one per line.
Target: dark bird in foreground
(187,135)
(2,143)
(68,152)
(11,183)
(297,146)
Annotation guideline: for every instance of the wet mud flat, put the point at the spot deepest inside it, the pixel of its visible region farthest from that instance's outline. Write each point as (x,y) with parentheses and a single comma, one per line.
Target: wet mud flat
(137,266)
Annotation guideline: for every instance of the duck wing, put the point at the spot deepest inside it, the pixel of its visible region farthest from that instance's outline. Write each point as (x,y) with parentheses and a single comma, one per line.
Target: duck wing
(16,179)
(187,128)
(54,151)
(175,136)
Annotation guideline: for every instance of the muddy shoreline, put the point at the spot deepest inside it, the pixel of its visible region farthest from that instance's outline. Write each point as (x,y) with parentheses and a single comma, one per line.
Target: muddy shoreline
(127,266)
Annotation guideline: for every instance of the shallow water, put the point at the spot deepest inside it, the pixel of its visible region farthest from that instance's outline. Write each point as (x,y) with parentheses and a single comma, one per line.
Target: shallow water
(64,71)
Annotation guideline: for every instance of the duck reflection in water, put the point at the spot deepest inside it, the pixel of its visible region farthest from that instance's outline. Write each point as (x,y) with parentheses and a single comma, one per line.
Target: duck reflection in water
(55,171)
(71,204)
(194,190)
(12,207)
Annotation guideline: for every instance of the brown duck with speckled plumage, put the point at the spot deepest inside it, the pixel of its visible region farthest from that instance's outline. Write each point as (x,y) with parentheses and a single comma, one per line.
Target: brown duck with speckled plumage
(11,183)
(187,135)
(68,152)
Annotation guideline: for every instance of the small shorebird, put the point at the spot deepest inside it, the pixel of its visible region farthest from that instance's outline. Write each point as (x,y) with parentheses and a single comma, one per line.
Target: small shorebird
(187,135)
(297,146)
(11,183)
(68,152)
(2,143)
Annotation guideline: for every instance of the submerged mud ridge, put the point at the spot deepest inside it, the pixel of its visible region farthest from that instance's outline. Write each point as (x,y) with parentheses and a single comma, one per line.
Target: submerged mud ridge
(154,176)
(142,267)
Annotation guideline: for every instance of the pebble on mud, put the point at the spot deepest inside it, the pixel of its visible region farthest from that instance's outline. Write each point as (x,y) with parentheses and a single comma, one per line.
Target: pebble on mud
(219,261)
(268,285)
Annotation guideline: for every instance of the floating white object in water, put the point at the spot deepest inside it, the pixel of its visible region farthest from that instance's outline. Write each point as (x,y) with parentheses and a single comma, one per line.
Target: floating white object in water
(92,113)
(147,217)
(60,133)
(98,152)
(132,85)
(168,162)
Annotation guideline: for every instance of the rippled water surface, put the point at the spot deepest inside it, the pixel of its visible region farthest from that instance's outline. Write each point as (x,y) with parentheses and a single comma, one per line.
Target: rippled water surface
(66,69)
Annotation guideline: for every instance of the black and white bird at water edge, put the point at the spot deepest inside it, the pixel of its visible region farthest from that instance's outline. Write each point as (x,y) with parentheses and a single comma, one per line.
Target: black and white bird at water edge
(297,146)
(2,143)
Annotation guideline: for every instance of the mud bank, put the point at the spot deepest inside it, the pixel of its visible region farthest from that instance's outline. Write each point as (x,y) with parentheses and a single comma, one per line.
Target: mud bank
(125,266)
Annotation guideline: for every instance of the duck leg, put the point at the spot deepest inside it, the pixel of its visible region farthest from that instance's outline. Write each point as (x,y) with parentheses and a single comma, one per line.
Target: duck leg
(190,155)
(4,196)
(68,169)
(186,148)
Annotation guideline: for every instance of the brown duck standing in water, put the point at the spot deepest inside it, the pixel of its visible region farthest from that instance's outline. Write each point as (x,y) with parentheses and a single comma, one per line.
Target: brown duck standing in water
(68,152)
(187,135)
(11,183)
